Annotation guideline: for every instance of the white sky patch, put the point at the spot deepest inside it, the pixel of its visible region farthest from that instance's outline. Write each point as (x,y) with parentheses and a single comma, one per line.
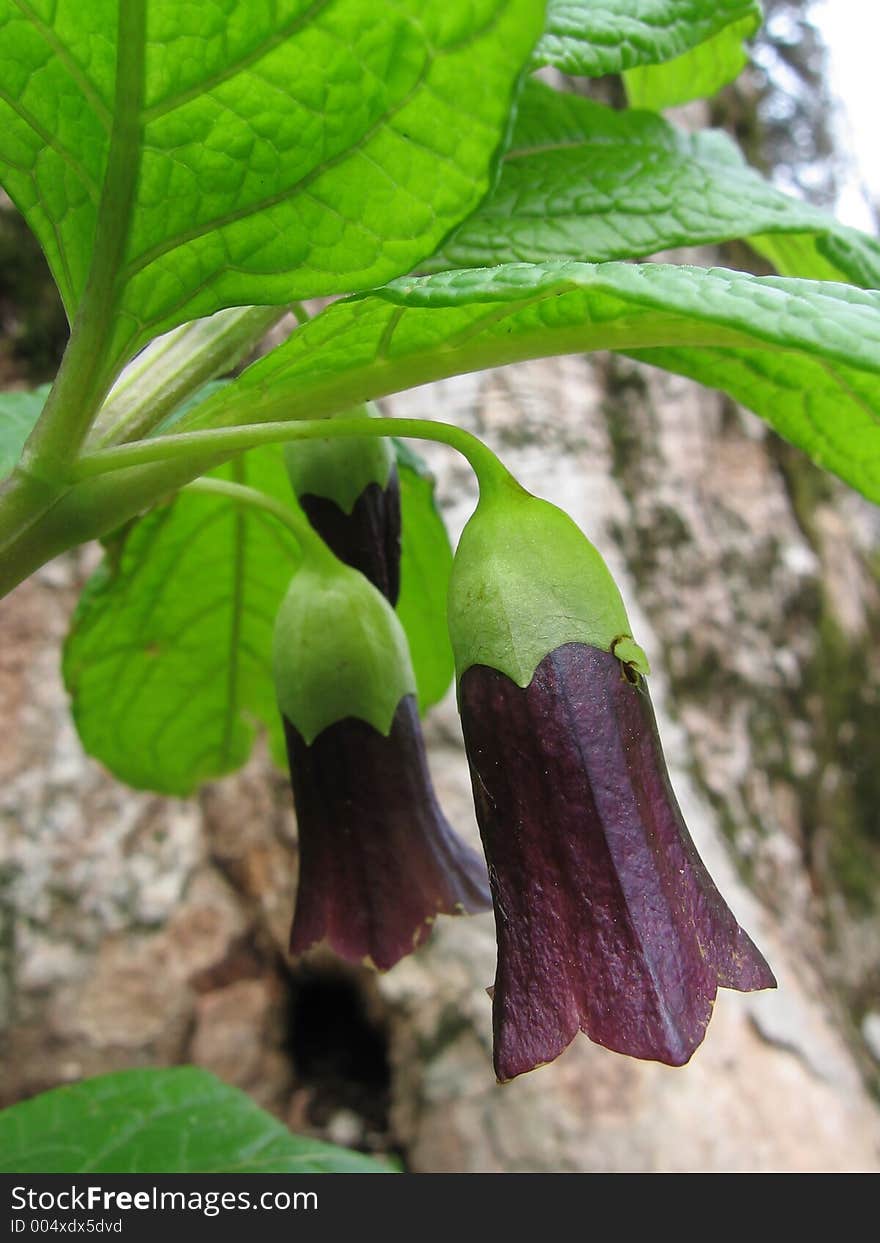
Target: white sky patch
(851,30)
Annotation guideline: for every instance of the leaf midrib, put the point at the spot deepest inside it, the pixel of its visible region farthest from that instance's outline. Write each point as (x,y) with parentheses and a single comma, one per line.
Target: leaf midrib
(89,367)
(185,236)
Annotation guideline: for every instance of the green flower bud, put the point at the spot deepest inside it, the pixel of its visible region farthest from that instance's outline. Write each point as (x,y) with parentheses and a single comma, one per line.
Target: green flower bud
(525,581)
(341,468)
(339,650)
(378,861)
(349,491)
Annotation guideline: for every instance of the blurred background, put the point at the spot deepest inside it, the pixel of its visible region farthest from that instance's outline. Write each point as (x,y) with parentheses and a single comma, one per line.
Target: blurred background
(139,930)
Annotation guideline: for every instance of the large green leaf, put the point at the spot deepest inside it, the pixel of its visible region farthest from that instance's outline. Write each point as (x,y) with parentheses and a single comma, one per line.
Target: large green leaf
(699,74)
(174,159)
(812,349)
(19,412)
(594,37)
(168,661)
(583,181)
(180,1121)
(426,562)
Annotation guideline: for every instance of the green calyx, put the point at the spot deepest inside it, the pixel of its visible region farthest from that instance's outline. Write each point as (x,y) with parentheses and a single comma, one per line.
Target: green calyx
(338,651)
(525,581)
(340,469)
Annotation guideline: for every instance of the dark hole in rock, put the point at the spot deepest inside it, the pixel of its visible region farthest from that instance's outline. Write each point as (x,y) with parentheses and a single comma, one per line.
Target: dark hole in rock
(340,1057)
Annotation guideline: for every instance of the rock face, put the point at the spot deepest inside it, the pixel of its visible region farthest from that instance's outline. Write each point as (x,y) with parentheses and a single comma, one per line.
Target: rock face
(143,930)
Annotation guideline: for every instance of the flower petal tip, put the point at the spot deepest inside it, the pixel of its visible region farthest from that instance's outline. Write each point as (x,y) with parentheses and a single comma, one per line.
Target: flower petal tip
(378,859)
(606,917)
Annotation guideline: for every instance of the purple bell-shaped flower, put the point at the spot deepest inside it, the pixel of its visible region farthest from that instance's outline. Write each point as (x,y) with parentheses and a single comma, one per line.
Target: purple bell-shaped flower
(607,921)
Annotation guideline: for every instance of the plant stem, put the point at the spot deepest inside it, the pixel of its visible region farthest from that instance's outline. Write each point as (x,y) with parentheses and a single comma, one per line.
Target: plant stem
(291,516)
(25,500)
(38,521)
(229,440)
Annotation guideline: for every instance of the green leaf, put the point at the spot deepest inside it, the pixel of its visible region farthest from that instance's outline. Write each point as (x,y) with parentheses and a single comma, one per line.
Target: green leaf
(19,412)
(594,37)
(168,661)
(586,182)
(180,1121)
(811,349)
(828,254)
(828,409)
(176,159)
(426,562)
(699,74)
